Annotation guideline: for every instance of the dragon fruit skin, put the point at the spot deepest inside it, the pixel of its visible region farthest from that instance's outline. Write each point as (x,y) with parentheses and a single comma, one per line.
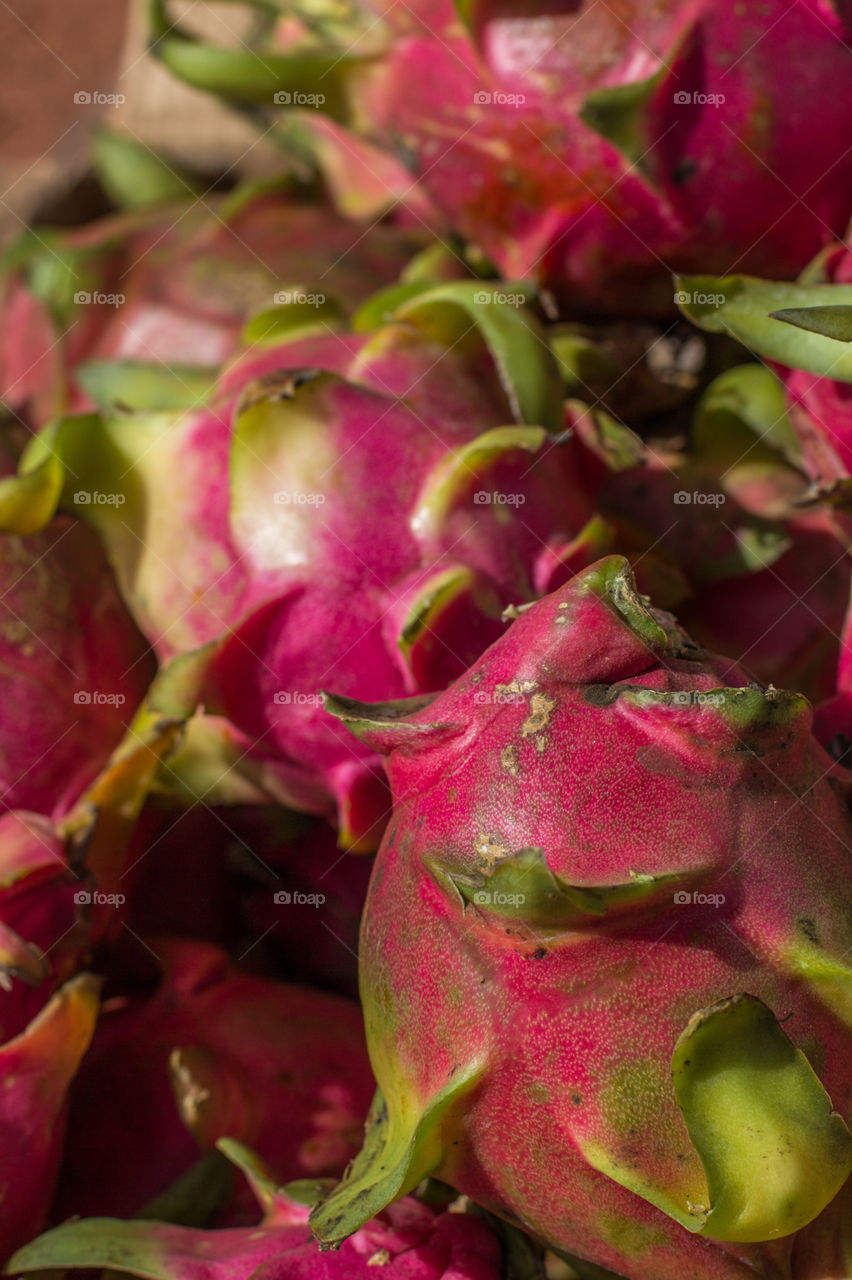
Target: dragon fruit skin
(410,1240)
(42,938)
(186,279)
(523,1043)
(779,617)
(820,408)
(686,182)
(35,1069)
(75,667)
(362,571)
(833,716)
(597,149)
(212,1053)
(279,547)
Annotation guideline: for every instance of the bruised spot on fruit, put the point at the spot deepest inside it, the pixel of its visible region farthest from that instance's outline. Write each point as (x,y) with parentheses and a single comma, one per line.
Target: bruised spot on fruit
(541,709)
(490,850)
(282,384)
(683,171)
(515,687)
(601,695)
(509,760)
(808,927)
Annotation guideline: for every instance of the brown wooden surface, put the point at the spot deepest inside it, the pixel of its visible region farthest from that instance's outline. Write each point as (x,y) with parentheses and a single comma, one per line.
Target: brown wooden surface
(52,49)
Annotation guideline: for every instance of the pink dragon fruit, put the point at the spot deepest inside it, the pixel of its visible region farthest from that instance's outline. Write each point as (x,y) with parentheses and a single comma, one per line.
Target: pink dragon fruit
(820,407)
(803,329)
(615,868)
(833,718)
(591,146)
(212,1053)
(75,670)
(42,935)
(769,593)
(36,1067)
(75,666)
(803,416)
(255,518)
(78,752)
(171,286)
(409,1241)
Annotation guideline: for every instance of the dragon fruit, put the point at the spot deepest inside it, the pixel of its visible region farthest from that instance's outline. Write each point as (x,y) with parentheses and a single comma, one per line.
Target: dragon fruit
(172,286)
(592,147)
(50,862)
(820,407)
(833,716)
(615,868)
(42,935)
(715,533)
(410,1241)
(36,1067)
(256,518)
(75,667)
(801,417)
(211,1053)
(790,327)
(75,670)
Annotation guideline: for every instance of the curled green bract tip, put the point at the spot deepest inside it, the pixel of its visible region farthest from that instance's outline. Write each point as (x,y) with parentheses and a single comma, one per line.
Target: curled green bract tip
(398,1152)
(773,1150)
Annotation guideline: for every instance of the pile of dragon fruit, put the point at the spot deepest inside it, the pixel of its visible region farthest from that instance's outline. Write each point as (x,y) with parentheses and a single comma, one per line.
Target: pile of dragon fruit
(426,734)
